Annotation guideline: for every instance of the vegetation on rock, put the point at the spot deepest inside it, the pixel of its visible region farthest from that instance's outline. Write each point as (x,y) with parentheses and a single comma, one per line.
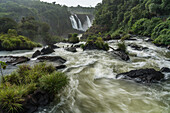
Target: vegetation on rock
(73,38)
(13,41)
(25,81)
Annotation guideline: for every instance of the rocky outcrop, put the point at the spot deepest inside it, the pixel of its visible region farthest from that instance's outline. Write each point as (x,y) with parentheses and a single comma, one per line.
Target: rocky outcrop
(37,53)
(120,54)
(142,75)
(52,59)
(47,50)
(14,60)
(53,46)
(71,49)
(37,99)
(137,47)
(165,69)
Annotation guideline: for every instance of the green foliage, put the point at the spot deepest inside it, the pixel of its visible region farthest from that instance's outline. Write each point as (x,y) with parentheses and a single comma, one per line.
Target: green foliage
(54,82)
(25,81)
(127,36)
(74,38)
(122,46)
(142,17)
(55,15)
(96,41)
(12,41)
(6,24)
(11,96)
(2,66)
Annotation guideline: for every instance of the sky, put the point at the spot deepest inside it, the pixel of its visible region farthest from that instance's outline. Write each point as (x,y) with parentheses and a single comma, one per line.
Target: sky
(85,3)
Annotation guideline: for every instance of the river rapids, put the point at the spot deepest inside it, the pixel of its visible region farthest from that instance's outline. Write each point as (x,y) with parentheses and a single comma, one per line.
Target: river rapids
(93,87)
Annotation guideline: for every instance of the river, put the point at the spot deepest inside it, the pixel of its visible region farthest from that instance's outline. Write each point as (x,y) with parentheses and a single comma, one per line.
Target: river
(94,89)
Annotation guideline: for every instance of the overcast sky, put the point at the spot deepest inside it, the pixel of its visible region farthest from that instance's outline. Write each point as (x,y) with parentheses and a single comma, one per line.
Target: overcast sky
(86,3)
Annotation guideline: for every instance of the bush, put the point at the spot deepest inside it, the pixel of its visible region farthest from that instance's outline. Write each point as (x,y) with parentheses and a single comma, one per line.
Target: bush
(122,46)
(53,83)
(127,36)
(12,41)
(74,38)
(25,81)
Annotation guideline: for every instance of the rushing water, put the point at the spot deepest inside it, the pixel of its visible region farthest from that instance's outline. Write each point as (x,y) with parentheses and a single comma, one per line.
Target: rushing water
(94,89)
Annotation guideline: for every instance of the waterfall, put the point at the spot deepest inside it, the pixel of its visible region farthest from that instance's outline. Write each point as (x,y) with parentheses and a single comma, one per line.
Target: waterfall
(73,22)
(80,24)
(88,21)
(77,24)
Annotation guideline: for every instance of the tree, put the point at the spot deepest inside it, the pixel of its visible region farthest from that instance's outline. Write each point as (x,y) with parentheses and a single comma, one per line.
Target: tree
(6,24)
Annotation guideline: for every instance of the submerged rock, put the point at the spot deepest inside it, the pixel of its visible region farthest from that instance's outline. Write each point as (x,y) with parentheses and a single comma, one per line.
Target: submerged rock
(52,59)
(142,75)
(47,50)
(137,47)
(165,69)
(71,49)
(53,46)
(121,54)
(14,60)
(37,53)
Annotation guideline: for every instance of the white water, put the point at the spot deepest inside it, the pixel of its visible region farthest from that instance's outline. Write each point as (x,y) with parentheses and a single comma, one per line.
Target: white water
(79,26)
(88,22)
(94,89)
(73,22)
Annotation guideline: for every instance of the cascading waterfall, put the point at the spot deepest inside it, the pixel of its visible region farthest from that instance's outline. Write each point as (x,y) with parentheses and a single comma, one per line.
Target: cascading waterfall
(73,22)
(80,24)
(88,21)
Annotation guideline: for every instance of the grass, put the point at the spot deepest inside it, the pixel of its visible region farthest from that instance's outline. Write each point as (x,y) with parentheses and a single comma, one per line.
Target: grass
(25,81)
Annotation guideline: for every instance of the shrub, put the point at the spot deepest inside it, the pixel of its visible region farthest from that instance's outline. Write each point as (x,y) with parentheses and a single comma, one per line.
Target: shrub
(127,36)
(53,83)
(122,46)
(73,40)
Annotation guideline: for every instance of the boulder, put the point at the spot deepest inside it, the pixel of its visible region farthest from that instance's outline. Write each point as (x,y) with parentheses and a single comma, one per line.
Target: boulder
(148,40)
(14,60)
(121,54)
(165,69)
(71,49)
(168,47)
(52,59)
(60,67)
(137,47)
(37,53)
(37,99)
(47,50)
(53,46)
(142,75)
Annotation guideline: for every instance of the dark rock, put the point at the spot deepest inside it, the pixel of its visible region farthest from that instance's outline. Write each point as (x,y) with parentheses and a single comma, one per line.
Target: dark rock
(107,38)
(137,47)
(168,47)
(14,60)
(165,69)
(53,46)
(77,45)
(35,100)
(47,50)
(52,58)
(60,67)
(142,75)
(148,40)
(71,49)
(122,55)
(90,46)
(37,53)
